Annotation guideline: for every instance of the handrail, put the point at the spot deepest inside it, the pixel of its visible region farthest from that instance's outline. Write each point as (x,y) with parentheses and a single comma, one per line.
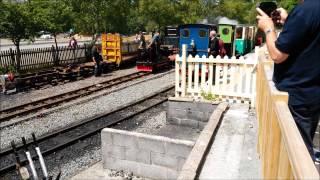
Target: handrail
(282,150)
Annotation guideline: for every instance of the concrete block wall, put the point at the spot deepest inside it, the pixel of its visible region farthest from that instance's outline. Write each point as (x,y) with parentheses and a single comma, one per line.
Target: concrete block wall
(191,114)
(145,155)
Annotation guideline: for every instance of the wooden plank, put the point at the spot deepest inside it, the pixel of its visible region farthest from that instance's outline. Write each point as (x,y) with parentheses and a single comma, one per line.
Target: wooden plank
(190,83)
(223,61)
(240,79)
(203,75)
(217,78)
(177,77)
(183,70)
(284,170)
(211,74)
(274,147)
(196,79)
(224,77)
(294,145)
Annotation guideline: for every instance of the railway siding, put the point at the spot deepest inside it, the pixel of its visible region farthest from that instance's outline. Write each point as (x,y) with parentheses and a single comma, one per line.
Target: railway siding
(68,115)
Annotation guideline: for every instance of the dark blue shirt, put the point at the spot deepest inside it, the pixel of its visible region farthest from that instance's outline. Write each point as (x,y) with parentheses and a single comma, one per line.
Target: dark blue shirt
(299,75)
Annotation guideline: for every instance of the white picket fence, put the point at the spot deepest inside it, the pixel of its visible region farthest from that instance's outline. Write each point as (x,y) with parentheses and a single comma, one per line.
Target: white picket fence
(229,79)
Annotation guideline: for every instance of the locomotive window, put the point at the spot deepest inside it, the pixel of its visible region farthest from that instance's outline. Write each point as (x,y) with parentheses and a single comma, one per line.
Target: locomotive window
(202,33)
(185,33)
(225,31)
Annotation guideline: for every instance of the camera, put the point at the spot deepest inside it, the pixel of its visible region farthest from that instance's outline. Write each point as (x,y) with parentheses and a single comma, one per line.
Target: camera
(270,8)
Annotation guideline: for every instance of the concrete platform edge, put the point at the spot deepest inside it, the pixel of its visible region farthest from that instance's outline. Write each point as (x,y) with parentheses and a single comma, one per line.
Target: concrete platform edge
(195,159)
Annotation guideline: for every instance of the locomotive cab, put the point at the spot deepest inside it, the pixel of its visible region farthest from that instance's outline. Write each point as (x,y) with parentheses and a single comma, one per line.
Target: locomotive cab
(196,37)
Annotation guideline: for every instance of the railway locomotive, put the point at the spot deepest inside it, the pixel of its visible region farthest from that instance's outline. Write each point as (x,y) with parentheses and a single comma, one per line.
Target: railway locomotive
(159,50)
(238,40)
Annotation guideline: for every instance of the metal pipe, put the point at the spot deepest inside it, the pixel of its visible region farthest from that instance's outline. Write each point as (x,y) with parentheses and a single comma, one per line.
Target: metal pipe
(21,171)
(31,164)
(42,163)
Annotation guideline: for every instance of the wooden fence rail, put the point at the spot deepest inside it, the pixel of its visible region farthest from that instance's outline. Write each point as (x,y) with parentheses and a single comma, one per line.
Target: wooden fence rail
(282,151)
(39,58)
(229,79)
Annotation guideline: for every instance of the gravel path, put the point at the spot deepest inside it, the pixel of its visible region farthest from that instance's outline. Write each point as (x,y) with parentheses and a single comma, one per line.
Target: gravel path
(81,156)
(29,96)
(55,120)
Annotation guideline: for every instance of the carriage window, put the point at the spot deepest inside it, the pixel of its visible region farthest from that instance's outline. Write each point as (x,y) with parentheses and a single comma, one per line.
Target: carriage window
(239,32)
(185,33)
(225,31)
(202,33)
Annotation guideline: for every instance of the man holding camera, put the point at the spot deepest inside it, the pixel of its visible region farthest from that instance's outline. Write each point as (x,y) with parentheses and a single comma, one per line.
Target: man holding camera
(296,54)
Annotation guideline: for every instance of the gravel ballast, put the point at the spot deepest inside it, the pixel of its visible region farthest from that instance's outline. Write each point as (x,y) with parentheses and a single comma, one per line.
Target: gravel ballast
(8,101)
(55,120)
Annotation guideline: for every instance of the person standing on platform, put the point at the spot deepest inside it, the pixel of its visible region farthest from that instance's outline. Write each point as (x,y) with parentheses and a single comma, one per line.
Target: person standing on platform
(296,54)
(154,46)
(213,44)
(96,58)
(73,42)
(222,50)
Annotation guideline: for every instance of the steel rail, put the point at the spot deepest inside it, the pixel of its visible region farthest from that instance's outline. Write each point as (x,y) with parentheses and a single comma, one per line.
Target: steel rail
(64,138)
(23,109)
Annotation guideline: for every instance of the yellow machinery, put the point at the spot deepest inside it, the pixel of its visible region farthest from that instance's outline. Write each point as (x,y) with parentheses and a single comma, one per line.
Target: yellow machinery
(114,50)
(111,48)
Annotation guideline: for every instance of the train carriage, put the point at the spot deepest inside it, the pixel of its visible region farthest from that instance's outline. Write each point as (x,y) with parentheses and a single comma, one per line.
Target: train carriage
(198,35)
(227,33)
(245,36)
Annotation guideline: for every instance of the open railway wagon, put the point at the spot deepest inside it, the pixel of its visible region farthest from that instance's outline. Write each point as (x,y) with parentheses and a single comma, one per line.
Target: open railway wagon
(116,51)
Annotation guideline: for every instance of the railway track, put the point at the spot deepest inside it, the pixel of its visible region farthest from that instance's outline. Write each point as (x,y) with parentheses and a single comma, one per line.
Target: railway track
(64,138)
(31,107)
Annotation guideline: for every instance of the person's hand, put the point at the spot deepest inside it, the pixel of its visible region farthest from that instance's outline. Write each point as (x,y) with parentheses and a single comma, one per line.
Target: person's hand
(283,15)
(264,21)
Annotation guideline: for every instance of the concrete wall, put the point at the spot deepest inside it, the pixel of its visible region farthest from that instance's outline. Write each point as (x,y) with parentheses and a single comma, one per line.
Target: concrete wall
(145,155)
(191,114)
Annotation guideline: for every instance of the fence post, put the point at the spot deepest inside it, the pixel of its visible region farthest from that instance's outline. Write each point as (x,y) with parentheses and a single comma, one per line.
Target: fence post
(12,57)
(54,57)
(85,52)
(1,64)
(183,70)
(74,53)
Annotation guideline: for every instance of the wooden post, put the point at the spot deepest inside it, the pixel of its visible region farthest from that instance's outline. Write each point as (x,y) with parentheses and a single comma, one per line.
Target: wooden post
(54,57)
(85,52)
(177,80)
(183,70)
(1,64)
(13,63)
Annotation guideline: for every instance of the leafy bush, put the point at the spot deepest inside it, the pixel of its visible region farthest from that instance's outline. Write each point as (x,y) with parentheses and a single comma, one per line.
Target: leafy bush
(11,69)
(2,70)
(208,96)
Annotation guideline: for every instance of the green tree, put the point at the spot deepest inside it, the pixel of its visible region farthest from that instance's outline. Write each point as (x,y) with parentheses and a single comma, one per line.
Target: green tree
(192,11)
(52,16)
(157,14)
(17,23)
